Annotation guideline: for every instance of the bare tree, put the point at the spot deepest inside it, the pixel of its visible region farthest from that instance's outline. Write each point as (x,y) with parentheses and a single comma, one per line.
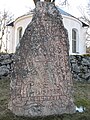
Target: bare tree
(85,12)
(5,18)
(64,2)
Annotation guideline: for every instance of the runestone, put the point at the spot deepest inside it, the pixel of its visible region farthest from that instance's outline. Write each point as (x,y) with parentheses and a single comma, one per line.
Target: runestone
(41,80)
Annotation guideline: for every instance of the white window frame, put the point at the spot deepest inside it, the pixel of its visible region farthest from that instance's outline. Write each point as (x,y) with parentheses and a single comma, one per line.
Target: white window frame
(75,41)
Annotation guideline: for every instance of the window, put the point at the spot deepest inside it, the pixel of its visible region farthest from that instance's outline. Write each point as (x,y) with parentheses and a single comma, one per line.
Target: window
(19,33)
(74,41)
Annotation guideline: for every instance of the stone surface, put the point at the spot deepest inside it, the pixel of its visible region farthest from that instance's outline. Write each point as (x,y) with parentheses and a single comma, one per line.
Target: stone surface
(4,71)
(80,71)
(80,66)
(5,64)
(41,82)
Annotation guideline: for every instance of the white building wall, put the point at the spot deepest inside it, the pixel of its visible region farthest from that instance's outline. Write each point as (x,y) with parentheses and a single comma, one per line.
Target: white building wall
(82,41)
(21,22)
(11,39)
(72,23)
(69,23)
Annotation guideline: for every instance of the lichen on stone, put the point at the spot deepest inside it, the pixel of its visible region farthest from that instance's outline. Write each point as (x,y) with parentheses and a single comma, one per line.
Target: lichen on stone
(42,78)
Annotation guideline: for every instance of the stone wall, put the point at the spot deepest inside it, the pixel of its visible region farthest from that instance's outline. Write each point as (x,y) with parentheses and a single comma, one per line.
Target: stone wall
(80,66)
(5,64)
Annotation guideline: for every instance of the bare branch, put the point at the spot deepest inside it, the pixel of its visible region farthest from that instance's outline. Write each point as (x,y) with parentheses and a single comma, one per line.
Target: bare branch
(5,18)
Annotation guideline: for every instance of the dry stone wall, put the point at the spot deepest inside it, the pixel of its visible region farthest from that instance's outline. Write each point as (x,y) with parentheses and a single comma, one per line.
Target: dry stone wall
(80,66)
(41,82)
(5,64)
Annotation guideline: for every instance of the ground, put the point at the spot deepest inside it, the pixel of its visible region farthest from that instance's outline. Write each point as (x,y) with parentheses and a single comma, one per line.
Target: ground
(81,96)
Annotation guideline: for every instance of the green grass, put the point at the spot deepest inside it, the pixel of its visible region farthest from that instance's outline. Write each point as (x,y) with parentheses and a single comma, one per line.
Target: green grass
(81,95)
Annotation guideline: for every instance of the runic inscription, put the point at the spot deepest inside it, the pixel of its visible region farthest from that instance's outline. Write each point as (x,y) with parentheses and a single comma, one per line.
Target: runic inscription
(41,82)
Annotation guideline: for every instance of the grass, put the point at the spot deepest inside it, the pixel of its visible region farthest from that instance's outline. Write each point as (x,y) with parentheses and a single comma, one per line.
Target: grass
(81,95)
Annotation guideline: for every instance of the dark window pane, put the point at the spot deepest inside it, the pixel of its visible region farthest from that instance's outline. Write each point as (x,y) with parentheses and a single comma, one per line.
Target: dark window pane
(73,46)
(73,34)
(20,33)
(73,41)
